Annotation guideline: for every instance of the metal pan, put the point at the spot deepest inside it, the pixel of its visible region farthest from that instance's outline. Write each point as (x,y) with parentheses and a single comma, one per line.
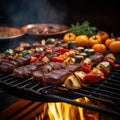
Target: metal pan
(10,32)
(45,29)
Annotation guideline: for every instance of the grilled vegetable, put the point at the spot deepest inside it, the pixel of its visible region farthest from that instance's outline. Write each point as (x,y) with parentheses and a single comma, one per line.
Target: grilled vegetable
(72,82)
(92,78)
(95,70)
(58,59)
(86,68)
(41,56)
(87,61)
(83,54)
(111,56)
(111,59)
(72,45)
(112,62)
(63,50)
(80,74)
(81,49)
(90,52)
(49,50)
(78,58)
(33,59)
(105,64)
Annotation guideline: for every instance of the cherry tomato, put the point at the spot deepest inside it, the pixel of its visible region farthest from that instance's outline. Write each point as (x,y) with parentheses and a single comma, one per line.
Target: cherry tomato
(94,39)
(103,35)
(68,37)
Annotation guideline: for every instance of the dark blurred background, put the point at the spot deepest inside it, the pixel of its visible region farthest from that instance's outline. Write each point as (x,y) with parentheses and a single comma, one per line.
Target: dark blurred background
(104,15)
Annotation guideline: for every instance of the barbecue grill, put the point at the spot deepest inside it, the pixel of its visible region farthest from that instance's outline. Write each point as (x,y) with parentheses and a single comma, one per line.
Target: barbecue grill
(106,92)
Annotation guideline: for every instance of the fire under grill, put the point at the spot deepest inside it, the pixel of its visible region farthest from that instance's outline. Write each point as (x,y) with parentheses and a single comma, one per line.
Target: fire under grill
(106,92)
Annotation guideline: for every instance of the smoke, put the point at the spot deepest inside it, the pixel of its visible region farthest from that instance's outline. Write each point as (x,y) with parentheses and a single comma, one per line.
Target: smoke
(22,12)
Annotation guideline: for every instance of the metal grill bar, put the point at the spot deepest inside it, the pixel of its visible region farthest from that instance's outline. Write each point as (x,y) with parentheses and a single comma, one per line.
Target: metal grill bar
(107,92)
(95,108)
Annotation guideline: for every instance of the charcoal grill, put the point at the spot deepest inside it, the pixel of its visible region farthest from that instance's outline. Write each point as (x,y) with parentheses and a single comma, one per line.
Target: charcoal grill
(106,92)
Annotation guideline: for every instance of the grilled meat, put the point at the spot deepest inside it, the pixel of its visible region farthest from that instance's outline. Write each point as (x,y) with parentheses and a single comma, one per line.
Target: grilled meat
(19,72)
(3,60)
(7,67)
(73,68)
(57,65)
(56,76)
(96,58)
(24,71)
(27,70)
(22,61)
(37,75)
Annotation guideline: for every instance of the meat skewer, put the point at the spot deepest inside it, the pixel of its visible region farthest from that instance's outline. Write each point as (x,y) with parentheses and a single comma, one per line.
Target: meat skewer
(71,80)
(9,66)
(28,70)
(33,68)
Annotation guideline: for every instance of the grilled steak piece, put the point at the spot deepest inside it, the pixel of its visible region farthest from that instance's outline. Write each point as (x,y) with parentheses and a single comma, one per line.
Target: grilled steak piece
(96,58)
(27,70)
(7,67)
(46,68)
(22,72)
(57,65)
(22,61)
(37,75)
(56,76)
(3,60)
(40,63)
(73,68)
(14,63)
(19,72)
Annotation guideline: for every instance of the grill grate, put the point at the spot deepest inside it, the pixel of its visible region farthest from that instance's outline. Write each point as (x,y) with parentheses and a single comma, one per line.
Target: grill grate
(106,92)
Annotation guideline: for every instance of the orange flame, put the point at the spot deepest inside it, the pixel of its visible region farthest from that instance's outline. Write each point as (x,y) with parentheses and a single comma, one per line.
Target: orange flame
(65,111)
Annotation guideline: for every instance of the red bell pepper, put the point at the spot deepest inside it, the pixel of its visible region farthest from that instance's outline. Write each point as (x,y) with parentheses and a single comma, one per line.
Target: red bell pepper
(50,50)
(33,59)
(41,56)
(86,68)
(90,78)
(112,62)
(105,70)
(63,50)
(58,59)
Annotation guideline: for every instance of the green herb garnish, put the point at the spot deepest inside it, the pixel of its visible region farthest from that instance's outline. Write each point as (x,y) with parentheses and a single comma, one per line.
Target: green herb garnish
(83,28)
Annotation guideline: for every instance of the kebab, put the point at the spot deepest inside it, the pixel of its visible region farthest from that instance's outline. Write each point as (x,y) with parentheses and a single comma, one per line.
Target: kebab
(25,70)
(99,72)
(22,71)
(24,48)
(81,78)
(9,66)
(91,61)
(75,81)
(49,50)
(70,76)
